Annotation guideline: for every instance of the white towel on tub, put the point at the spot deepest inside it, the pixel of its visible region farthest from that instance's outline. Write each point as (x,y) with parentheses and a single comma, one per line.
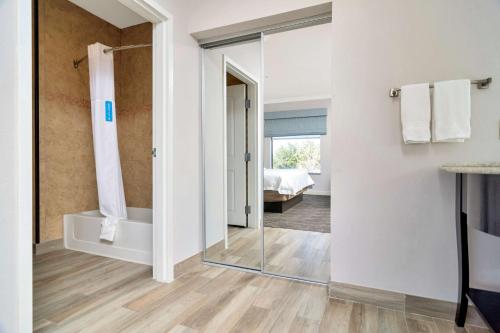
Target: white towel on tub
(107,158)
(451,111)
(416,113)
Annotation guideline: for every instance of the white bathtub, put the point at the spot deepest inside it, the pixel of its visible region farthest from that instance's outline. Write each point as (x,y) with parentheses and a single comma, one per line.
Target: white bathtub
(133,238)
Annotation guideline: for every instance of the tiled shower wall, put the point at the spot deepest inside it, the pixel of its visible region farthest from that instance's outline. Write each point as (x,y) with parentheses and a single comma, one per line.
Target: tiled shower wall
(134,103)
(67,167)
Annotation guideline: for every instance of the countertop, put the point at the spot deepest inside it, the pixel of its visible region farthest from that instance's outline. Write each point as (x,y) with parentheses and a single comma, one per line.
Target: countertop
(490,168)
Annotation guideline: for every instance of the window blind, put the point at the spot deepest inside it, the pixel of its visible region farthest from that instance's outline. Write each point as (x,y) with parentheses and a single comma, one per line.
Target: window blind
(295,123)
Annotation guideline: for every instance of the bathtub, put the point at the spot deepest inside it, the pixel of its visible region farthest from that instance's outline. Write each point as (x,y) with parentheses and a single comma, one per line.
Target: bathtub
(133,238)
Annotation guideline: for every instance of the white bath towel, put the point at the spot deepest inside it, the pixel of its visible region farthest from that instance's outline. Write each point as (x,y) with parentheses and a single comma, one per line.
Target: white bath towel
(416,113)
(451,111)
(107,158)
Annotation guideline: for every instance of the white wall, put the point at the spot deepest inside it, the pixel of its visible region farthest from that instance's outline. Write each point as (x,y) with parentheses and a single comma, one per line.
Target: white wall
(187,161)
(213,145)
(8,172)
(297,64)
(15,213)
(393,210)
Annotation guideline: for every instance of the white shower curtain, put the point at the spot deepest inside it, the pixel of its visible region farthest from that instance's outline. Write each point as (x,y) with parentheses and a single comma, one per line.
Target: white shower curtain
(107,157)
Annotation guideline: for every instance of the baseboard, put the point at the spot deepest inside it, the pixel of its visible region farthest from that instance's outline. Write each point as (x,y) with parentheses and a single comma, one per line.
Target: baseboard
(182,267)
(313,192)
(49,246)
(382,298)
(401,302)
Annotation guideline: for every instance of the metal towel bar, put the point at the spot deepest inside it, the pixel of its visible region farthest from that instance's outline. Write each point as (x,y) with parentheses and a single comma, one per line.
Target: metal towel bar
(481,84)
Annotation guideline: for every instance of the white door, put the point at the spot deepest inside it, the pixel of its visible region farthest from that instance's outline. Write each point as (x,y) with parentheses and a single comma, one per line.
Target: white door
(236,148)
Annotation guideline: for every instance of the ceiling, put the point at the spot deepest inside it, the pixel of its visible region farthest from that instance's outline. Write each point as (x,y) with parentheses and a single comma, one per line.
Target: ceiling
(111,11)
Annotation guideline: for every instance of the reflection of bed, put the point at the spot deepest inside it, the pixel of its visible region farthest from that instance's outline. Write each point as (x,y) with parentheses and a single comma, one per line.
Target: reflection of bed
(283,188)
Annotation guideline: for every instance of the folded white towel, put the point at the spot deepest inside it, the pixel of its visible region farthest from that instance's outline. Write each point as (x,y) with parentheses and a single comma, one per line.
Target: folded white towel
(416,113)
(108,228)
(451,111)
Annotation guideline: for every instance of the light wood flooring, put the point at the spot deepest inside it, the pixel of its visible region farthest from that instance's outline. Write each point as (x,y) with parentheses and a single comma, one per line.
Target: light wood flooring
(298,253)
(78,292)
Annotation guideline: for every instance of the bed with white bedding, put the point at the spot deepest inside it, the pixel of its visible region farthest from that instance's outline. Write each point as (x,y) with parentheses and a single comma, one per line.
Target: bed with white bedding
(283,188)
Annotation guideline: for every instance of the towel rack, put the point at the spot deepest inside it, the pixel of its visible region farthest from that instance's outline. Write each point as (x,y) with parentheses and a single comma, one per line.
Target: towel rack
(481,84)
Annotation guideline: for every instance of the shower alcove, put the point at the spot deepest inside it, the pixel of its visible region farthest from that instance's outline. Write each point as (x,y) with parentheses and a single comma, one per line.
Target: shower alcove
(67,184)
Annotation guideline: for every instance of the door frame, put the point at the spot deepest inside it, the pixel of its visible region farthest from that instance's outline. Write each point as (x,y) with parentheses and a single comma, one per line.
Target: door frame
(253,86)
(163,135)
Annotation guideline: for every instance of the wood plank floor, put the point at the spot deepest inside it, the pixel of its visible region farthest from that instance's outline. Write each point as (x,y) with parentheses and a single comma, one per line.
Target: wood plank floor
(78,292)
(297,253)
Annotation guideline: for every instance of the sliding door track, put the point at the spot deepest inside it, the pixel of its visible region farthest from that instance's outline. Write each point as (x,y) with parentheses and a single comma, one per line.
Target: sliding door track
(263,273)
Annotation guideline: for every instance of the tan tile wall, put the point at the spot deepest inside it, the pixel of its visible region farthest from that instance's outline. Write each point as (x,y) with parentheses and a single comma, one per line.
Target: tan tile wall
(134,114)
(67,167)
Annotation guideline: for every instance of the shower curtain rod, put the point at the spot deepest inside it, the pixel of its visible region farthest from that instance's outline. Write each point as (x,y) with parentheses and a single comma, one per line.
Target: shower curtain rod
(77,62)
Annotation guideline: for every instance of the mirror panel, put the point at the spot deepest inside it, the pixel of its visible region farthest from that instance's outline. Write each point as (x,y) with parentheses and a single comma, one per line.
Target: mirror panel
(230,78)
(296,217)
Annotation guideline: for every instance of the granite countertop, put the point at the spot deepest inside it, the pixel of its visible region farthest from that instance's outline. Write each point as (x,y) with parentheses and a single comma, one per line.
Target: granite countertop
(490,168)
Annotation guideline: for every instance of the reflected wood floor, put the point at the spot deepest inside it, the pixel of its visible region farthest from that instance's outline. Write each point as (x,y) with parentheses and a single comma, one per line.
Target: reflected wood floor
(78,292)
(311,214)
(298,253)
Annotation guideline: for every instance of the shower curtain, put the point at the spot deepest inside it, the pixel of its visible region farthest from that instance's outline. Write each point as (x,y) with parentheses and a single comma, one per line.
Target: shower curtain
(107,157)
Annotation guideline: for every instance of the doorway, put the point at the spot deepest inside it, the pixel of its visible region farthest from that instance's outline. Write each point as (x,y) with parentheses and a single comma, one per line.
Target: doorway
(158,193)
(241,103)
(236,146)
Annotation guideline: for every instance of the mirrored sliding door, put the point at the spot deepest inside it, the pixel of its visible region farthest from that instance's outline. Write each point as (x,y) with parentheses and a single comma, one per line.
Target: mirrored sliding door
(230,116)
(266,163)
(297,88)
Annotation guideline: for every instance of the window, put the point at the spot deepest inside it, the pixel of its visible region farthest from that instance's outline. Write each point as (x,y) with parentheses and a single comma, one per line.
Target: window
(297,152)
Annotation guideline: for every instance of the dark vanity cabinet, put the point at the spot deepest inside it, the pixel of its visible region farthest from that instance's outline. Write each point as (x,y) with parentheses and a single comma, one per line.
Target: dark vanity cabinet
(478,237)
